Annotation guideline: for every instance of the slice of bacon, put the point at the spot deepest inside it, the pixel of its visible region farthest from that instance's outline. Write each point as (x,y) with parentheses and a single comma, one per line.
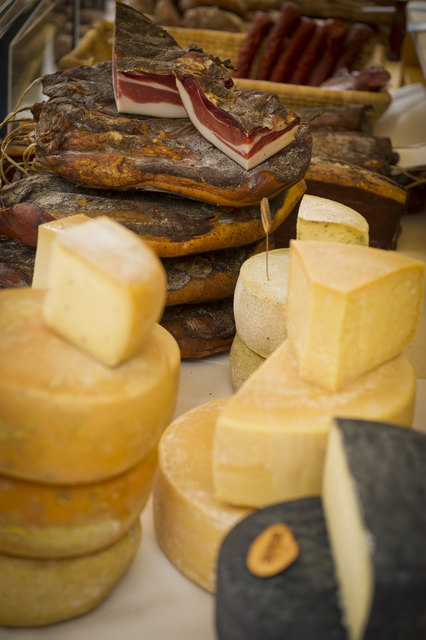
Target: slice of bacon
(249,126)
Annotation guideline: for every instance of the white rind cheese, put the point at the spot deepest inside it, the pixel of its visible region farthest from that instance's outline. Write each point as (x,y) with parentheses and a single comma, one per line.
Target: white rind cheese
(271,436)
(260,301)
(107,289)
(323,219)
(350,308)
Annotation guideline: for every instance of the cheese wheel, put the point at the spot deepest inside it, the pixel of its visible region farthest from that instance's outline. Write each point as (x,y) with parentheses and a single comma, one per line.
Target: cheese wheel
(271,436)
(64,417)
(298,603)
(57,521)
(38,592)
(324,219)
(260,301)
(190,523)
(46,234)
(374,502)
(107,289)
(242,362)
(350,308)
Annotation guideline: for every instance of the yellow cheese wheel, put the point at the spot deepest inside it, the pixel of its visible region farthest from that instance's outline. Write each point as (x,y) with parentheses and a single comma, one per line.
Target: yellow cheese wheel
(64,417)
(190,523)
(242,362)
(57,521)
(350,308)
(107,289)
(270,438)
(260,301)
(36,592)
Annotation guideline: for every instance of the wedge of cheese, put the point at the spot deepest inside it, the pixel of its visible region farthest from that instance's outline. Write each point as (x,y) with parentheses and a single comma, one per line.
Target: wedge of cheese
(242,362)
(39,592)
(324,219)
(65,418)
(260,301)
(374,502)
(58,521)
(107,289)
(350,308)
(190,523)
(270,438)
(45,239)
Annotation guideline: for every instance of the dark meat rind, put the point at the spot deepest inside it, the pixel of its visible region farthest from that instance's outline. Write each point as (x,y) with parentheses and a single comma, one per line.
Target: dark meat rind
(80,136)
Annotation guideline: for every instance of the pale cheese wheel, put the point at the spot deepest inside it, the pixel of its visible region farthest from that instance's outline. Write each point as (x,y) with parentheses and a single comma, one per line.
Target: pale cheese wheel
(270,439)
(260,301)
(190,523)
(350,308)
(36,592)
(64,417)
(58,521)
(242,362)
(107,289)
(323,219)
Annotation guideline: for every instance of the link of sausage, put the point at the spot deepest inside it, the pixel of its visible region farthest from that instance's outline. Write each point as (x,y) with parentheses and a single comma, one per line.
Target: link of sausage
(259,28)
(336,33)
(290,54)
(357,37)
(310,55)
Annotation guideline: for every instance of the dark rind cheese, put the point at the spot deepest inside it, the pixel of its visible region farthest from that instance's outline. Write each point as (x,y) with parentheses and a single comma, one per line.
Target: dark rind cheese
(297,604)
(387,465)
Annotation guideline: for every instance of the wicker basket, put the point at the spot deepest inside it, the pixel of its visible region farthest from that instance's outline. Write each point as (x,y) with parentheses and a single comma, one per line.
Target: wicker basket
(96,46)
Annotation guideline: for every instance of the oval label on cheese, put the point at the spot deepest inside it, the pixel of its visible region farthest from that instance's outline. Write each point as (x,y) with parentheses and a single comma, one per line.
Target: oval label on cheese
(274,549)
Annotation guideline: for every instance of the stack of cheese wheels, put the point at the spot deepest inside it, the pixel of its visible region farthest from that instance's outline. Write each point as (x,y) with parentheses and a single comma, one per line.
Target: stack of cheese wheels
(351,310)
(260,297)
(88,382)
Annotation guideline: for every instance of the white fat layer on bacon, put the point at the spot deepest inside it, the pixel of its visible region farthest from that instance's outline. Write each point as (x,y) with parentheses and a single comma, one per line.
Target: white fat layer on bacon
(161,109)
(238,153)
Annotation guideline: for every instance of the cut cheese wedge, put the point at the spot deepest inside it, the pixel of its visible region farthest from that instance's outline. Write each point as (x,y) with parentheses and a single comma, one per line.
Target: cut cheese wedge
(374,501)
(350,308)
(242,362)
(58,521)
(66,418)
(45,239)
(190,523)
(107,289)
(39,592)
(271,436)
(260,301)
(324,219)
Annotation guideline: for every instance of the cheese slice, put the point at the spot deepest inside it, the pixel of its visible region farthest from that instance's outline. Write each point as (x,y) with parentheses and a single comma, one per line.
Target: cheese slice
(323,219)
(45,238)
(374,502)
(242,362)
(350,308)
(57,521)
(64,417)
(107,289)
(38,592)
(190,523)
(260,301)
(271,436)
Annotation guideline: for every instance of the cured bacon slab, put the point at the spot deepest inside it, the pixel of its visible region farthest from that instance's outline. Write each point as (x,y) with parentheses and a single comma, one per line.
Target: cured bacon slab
(81,136)
(145,60)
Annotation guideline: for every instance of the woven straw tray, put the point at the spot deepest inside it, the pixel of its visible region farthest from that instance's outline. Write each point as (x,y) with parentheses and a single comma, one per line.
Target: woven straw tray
(96,46)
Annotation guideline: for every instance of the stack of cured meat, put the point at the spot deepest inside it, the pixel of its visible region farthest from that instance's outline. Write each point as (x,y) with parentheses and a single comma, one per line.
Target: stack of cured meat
(162,141)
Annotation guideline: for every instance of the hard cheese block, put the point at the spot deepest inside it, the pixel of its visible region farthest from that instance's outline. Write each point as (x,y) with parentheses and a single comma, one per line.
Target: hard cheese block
(374,497)
(57,521)
(271,436)
(66,418)
(190,523)
(324,219)
(260,301)
(45,238)
(37,592)
(242,362)
(107,289)
(299,603)
(350,308)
